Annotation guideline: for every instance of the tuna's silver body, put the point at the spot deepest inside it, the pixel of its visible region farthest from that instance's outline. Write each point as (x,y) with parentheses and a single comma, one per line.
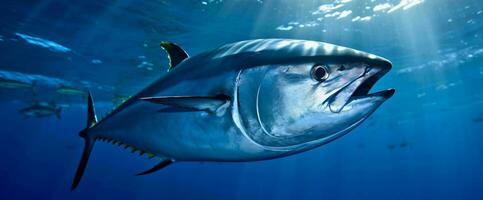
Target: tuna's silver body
(273,111)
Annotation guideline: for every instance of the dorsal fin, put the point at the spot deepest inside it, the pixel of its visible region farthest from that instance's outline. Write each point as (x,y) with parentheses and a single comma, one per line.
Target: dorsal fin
(91,113)
(175,54)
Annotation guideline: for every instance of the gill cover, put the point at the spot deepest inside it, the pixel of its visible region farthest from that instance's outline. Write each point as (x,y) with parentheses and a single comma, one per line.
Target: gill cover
(284,106)
(264,100)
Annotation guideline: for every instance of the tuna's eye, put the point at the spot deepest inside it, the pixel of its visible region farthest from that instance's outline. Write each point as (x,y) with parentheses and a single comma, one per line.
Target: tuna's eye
(320,73)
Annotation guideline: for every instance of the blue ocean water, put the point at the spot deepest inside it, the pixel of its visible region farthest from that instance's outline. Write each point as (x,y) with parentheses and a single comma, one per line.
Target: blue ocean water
(423,143)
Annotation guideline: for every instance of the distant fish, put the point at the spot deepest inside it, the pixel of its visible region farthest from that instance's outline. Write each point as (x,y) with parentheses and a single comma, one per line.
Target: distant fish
(12,83)
(391,146)
(53,46)
(67,90)
(403,144)
(372,123)
(478,119)
(41,109)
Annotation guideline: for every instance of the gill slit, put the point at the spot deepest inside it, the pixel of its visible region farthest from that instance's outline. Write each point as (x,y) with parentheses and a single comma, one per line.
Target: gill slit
(258,114)
(237,117)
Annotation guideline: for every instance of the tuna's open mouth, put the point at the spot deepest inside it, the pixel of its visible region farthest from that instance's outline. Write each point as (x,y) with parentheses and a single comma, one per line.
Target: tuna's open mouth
(359,88)
(364,88)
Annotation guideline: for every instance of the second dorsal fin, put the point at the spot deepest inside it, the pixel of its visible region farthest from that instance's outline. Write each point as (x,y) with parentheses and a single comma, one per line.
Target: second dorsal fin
(175,54)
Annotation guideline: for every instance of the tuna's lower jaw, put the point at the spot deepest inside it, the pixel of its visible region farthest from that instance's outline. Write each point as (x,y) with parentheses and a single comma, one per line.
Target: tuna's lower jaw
(384,93)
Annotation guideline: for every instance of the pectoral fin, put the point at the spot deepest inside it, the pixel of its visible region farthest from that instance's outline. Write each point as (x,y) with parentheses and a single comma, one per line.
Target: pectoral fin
(197,103)
(157,167)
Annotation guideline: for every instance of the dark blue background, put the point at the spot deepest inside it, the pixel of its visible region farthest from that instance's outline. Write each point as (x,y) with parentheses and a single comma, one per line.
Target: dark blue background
(437,109)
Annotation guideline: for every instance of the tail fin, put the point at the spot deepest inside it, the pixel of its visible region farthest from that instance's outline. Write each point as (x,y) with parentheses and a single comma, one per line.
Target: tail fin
(57,112)
(89,142)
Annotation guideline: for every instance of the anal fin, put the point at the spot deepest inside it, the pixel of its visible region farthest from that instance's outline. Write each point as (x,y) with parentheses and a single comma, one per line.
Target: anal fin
(157,167)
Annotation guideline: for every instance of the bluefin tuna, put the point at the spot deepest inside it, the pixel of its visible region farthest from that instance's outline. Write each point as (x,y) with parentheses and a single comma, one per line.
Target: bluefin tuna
(68,90)
(247,101)
(12,83)
(41,109)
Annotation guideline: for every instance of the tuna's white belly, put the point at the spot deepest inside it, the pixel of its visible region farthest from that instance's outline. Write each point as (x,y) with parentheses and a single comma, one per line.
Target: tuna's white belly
(190,136)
